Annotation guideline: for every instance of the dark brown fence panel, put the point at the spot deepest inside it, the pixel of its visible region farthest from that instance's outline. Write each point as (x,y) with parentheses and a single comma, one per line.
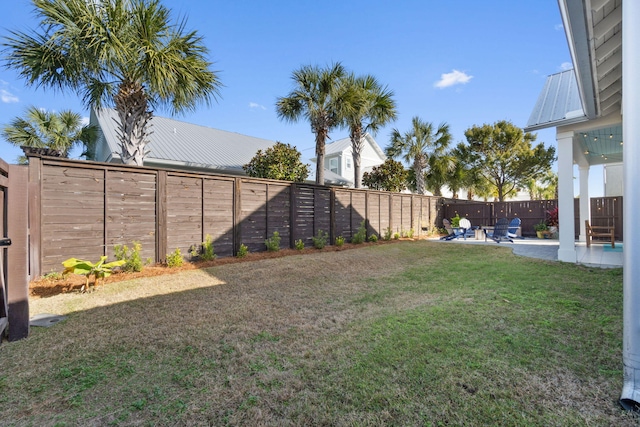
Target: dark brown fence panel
(342,214)
(253,215)
(322,214)
(385,213)
(396,213)
(218,213)
(72,215)
(17,255)
(406,222)
(278,211)
(303,224)
(607,211)
(373,213)
(358,210)
(131,211)
(184,213)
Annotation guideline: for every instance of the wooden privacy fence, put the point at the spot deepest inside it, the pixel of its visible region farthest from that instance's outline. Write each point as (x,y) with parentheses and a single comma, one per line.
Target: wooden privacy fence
(83,209)
(604,211)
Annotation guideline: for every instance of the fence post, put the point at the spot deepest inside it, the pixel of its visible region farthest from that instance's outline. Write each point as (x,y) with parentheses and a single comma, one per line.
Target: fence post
(237,213)
(293,214)
(34,189)
(17,253)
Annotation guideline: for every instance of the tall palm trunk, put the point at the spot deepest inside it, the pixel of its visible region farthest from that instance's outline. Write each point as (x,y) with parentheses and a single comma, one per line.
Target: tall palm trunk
(132,107)
(357,144)
(418,167)
(320,143)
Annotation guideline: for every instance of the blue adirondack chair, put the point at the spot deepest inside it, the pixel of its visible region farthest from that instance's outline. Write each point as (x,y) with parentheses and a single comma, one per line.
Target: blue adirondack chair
(513,228)
(500,231)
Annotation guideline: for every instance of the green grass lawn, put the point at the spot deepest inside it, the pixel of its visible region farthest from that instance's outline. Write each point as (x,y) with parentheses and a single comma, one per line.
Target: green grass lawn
(412,333)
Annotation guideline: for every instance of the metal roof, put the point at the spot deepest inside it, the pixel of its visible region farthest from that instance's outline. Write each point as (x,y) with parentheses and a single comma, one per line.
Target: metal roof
(558,103)
(179,144)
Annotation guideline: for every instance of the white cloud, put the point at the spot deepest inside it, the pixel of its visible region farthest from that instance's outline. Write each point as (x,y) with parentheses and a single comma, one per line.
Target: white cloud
(253,105)
(566,66)
(559,27)
(85,121)
(453,78)
(7,97)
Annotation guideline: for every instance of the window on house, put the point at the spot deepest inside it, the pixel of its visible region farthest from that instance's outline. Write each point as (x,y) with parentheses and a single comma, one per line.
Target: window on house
(333,165)
(348,163)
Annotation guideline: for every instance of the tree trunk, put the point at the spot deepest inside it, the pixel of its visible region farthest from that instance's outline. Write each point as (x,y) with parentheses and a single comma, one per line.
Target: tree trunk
(132,107)
(357,144)
(418,169)
(320,142)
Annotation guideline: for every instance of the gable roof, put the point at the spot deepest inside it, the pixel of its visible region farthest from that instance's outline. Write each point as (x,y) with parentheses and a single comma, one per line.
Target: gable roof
(344,144)
(180,144)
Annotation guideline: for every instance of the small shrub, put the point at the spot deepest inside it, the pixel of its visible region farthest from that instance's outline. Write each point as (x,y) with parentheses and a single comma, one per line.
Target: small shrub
(54,275)
(361,234)
(273,242)
(320,240)
(131,257)
(243,251)
(100,269)
(387,234)
(339,241)
(299,244)
(410,233)
(396,236)
(175,260)
(207,249)
(373,238)
(455,221)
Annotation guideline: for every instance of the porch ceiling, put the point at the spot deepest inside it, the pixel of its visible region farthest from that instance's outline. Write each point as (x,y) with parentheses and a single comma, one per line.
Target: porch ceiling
(594,35)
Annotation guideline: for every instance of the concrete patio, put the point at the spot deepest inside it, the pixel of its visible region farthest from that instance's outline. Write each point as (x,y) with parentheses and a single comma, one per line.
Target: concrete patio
(594,256)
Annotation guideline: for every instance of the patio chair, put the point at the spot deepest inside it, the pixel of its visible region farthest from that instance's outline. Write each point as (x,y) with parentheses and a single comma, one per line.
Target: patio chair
(500,231)
(599,231)
(513,228)
(452,233)
(466,230)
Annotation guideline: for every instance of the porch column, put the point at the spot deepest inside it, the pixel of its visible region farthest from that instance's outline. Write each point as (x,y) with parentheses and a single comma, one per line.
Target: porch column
(585,203)
(567,249)
(630,398)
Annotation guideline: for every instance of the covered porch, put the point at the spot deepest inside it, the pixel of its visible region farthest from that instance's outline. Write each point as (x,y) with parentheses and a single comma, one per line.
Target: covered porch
(595,109)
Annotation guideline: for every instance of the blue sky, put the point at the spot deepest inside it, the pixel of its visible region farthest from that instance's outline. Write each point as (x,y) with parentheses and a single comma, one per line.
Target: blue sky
(464,62)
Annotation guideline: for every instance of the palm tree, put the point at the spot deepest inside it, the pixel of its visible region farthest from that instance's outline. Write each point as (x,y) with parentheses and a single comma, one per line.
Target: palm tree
(55,131)
(125,53)
(418,145)
(369,106)
(319,97)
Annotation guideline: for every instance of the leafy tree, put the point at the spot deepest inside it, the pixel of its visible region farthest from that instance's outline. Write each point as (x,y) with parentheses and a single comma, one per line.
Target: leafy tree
(126,53)
(504,156)
(544,188)
(281,161)
(418,145)
(389,176)
(48,129)
(319,97)
(369,106)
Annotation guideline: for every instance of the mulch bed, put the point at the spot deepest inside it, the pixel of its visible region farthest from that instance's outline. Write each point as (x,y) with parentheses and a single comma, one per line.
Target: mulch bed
(46,287)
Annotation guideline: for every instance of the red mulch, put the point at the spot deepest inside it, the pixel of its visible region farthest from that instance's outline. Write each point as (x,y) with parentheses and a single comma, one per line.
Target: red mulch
(46,287)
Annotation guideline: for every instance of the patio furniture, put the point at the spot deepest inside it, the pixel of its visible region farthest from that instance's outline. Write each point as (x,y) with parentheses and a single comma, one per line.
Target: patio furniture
(466,229)
(599,231)
(500,231)
(514,227)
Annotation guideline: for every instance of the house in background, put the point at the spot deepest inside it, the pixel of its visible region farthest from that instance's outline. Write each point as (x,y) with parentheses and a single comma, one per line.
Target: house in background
(180,145)
(338,159)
